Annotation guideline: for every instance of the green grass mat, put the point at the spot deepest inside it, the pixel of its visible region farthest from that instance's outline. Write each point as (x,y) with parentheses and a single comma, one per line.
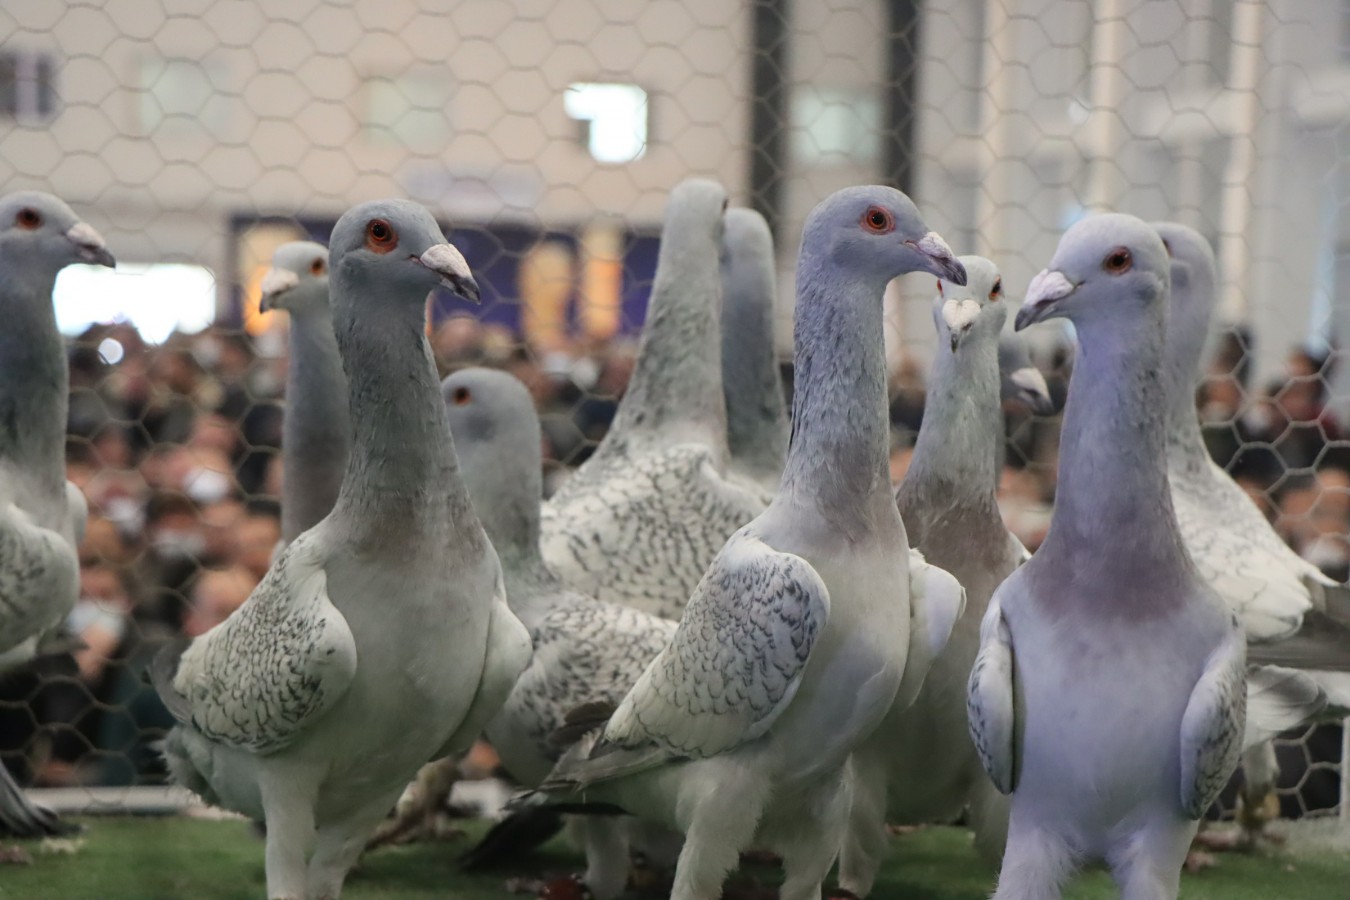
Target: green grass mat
(173,859)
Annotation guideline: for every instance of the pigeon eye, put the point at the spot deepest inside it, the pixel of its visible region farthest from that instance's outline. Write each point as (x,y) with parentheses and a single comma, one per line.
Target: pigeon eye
(1168,247)
(997,293)
(878,220)
(939,281)
(317,267)
(461,396)
(1118,261)
(28,218)
(380,236)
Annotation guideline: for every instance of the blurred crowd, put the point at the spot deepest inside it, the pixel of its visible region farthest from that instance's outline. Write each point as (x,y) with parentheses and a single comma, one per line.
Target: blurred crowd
(177,448)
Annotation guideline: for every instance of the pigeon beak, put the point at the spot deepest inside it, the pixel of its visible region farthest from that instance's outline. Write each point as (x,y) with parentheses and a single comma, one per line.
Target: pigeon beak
(960,317)
(446,261)
(89,243)
(1033,391)
(275,283)
(941,261)
(1043,294)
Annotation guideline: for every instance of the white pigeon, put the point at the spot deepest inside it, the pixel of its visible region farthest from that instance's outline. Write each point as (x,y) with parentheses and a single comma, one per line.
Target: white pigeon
(1278,596)
(1109,692)
(757,423)
(795,643)
(381,637)
(920,766)
(640,521)
(317,436)
(42,516)
(585,651)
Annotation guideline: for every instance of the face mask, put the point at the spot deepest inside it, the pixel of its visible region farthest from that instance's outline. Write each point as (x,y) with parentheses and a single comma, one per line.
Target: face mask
(178,545)
(1326,552)
(206,486)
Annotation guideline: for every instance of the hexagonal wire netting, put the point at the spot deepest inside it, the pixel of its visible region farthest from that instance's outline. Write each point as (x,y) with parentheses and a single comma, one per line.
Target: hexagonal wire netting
(198,135)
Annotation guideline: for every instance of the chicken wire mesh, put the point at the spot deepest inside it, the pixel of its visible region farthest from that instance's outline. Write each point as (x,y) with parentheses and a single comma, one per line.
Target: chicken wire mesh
(198,136)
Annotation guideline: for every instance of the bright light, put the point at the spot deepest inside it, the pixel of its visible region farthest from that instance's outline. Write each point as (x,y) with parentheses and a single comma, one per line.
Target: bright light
(617,117)
(111,350)
(156,298)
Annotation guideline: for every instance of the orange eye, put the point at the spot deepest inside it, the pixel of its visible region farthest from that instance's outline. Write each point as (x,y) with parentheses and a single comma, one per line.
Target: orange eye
(878,220)
(1118,261)
(28,218)
(318,267)
(380,236)
(939,281)
(461,396)
(997,293)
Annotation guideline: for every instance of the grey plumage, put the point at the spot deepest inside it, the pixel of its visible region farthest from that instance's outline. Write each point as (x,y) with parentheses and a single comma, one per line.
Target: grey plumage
(1019,379)
(386,618)
(795,642)
(42,516)
(585,651)
(639,522)
(317,436)
(757,425)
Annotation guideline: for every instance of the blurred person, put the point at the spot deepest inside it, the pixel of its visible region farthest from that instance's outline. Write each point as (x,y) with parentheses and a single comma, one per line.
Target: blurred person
(457,341)
(907,397)
(902,452)
(180,388)
(1023,501)
(257,536)
(215,595)
(594,413)
(221,521)
(177,543)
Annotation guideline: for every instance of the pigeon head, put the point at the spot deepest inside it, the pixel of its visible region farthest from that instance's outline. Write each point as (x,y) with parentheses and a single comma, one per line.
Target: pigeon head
(496,434)
(976,306)
(1019,379)
(1194,274)
(696,206)
(400,244)
(298,279)
(39,232)
(876,232)
(746,242)
(1106,268)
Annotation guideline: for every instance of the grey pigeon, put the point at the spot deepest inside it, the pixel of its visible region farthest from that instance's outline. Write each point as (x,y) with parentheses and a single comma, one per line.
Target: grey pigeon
(1020,380)
(317,433)
(920,766)
(757,423)
(1278,596)
(42,516)
(640,521)
(795,643)
(381,637)
(584,650)
(1108,696)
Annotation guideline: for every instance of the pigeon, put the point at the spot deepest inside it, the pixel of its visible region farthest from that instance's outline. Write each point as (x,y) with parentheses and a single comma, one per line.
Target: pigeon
(919,766)
(795,643)
(1020,380)
(639,522)
(1108,696)
(317,438)
(757,425)
(42,515)
(1278,596)
(381,637)
(585,651)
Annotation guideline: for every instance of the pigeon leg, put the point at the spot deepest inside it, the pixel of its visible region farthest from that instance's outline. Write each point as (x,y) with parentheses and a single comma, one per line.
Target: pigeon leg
(1257,801)
(288,808)
(21,818)
(865,840)
(607,862)
(1149,868)
(721,825)
(1035,865)
(810,849)
(340,844)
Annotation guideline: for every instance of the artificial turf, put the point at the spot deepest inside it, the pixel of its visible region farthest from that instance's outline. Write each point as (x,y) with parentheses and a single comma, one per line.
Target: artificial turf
(175,858)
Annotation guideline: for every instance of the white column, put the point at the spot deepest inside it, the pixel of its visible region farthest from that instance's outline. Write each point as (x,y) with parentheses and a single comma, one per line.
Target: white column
(1105,131)
(997,99)
(1236,242)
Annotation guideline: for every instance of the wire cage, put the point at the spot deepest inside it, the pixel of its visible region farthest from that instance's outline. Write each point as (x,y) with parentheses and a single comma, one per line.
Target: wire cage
(199,135)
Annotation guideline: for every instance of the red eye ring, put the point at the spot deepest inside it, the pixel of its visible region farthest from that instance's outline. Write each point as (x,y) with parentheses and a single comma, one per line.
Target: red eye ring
(878,220)
(997,293)
(381,236)
(29,219)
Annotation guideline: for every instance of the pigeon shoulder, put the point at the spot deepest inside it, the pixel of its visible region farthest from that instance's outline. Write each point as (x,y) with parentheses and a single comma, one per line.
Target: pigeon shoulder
(39,577)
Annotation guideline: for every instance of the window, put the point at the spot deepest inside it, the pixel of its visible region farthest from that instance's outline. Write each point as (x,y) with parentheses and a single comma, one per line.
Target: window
(27,85)
(615,117)
(408,109)
(831,126)
(156,298)
(183,95)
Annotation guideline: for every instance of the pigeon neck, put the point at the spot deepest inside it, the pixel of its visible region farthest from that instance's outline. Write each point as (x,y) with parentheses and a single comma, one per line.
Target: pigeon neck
(1186,332)
(757,428)
(402,481)
(838,451)
(34,384)
(317,428)
(676,388)
(506,496)
(955,456)
(1113,488)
